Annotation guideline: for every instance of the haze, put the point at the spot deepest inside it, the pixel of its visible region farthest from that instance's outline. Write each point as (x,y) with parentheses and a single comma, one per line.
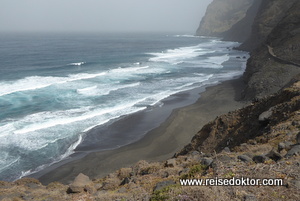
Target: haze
(101,15)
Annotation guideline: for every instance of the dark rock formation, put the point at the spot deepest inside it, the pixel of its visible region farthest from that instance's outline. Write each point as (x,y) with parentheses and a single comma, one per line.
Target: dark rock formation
(275,61)
(269,29)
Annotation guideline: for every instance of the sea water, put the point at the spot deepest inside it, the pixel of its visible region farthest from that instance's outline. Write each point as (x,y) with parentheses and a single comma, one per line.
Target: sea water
(56,87)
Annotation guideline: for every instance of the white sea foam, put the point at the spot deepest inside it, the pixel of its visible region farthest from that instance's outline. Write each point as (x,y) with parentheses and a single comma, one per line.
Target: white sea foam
(38,82)
(214,61)
(104,89)
(179,55)
(77,64)
(187,36)
(45,120)
(87,90)
(69,152)
(128,69)
(5,162)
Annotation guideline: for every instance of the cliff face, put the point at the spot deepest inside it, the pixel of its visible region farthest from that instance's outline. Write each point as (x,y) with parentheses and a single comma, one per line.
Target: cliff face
(221,15)
(269,29)
(270,14)
(241,30)
(275,54)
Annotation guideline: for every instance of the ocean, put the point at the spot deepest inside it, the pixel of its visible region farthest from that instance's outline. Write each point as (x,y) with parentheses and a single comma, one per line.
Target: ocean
(55,88)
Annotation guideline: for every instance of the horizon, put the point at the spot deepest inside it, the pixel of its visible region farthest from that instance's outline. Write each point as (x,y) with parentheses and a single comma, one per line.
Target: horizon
(101,17)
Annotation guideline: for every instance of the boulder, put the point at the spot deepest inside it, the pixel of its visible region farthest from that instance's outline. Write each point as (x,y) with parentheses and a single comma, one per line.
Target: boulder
(170,163)
(294,151)
(207,161)
(265,116)
(260,159)
(284,146)
(226,150)
(244,158)
(81,183)
(274,155)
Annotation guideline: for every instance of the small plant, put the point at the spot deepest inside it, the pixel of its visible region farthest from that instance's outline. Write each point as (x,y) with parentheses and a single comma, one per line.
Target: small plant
(162,194)
(196,169)
(229,174)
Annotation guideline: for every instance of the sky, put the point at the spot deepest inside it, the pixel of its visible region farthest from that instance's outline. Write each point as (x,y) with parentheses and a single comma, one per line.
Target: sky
(101,15)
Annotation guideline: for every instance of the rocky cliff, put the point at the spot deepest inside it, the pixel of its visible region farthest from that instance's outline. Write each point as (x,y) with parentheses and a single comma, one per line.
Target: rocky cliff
(269,29)
(274,46)
(222,15)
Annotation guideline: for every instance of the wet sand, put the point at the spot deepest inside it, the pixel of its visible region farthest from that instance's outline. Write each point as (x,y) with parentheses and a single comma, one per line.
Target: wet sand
(158,144)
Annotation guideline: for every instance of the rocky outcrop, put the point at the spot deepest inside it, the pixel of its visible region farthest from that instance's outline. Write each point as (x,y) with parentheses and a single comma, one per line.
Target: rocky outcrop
(221,15)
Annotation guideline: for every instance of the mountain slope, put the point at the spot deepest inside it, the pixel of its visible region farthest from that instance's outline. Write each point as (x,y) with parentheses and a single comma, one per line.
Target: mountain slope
(221,15)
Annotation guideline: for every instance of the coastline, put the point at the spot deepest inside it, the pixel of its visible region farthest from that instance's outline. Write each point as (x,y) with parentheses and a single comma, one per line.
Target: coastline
(158,144)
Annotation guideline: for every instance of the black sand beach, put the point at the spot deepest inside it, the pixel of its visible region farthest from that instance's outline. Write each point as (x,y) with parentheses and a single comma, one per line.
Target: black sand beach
(158,144)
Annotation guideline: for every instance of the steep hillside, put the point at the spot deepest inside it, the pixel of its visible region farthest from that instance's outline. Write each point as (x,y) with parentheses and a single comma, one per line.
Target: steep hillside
(275,61)
(270,14)
(269,29)
(221,15)
(241,31)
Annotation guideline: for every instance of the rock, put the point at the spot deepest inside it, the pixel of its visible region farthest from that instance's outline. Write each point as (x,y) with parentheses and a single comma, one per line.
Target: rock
(294,151)
(125,181)
(281,146)
(195,153)
(224,158)
(265,116)
(170,163)
(250,197)
(207,161)
(260,159)
(80,184)
(298,138)
(163,184)
(274,155)
(244,158)
(284,146)
(226,150)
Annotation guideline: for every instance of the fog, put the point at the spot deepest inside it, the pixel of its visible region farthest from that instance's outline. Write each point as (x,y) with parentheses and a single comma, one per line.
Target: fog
(101,15)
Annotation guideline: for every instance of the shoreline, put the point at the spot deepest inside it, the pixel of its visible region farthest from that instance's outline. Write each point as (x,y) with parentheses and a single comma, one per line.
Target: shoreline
(158,144)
